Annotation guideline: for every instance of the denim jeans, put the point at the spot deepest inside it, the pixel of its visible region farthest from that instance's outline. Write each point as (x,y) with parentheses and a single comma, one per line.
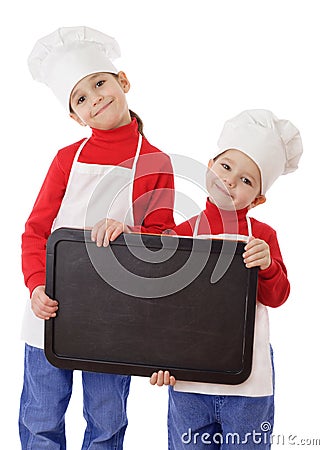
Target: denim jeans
(203,422)
(45,398)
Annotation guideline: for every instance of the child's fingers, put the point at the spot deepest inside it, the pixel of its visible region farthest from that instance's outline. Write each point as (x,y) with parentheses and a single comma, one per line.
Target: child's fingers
(101,233)
(169,380)
(153,378)
(113,231)
(95,229)
(44,313)
(172,380)
(108,234)
(160,378)
(106,230)
(43,306)
(252,243)
(257,254)
(262,262)
(253,262)
(254,247)
(166,378)
(116,232)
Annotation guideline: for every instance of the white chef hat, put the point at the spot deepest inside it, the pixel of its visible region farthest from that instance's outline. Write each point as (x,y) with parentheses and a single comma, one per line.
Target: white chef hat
(62,58)
(273,144)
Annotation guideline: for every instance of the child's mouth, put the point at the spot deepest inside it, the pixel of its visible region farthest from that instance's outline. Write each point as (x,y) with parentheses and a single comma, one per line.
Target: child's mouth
(223,190)
(103,108)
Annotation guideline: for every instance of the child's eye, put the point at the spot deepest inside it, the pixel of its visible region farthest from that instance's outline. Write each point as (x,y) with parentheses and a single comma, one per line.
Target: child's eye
(246,181)
(100,83)
(225,166)
(80,100)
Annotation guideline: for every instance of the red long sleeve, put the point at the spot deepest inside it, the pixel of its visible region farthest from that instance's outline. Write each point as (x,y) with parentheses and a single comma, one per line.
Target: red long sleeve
(153,191)
(273,285)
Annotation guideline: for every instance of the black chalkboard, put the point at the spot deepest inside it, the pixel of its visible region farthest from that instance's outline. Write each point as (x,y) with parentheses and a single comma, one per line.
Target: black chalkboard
(150,302)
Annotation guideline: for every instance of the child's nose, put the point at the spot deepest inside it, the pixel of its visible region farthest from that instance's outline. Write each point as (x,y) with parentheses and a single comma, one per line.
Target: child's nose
(229,181)
(96,99)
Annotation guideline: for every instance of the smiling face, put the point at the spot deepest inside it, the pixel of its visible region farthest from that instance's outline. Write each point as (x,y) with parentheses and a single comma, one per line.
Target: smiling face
(233,181)
(99,101)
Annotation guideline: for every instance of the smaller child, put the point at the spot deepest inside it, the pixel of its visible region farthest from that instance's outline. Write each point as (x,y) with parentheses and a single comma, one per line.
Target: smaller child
(254,149)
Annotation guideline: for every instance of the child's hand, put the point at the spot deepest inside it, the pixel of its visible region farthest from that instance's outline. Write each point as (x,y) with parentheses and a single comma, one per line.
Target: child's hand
(107,230)
(162,378)
(257,254)
(43,306)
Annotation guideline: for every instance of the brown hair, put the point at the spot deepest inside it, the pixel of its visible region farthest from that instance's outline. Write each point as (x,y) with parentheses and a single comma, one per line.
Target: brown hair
(139,122)
(133,114)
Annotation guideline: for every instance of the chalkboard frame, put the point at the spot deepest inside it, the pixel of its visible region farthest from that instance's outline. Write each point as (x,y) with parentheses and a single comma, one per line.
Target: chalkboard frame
(58,338)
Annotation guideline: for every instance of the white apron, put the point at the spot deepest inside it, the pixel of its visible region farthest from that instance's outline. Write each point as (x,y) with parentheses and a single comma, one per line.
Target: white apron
(94,191)
(259,382)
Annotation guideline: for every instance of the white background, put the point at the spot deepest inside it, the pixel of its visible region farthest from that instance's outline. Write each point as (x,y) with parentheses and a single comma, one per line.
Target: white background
(192,65)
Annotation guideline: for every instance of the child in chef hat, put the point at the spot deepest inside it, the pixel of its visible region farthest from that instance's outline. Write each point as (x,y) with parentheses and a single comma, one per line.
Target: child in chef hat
(76,63)
(254,149)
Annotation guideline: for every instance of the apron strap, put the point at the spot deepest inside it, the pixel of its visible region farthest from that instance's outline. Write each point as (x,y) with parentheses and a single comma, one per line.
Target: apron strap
(138,151)
(197,223)
(75,160)
(137,154)
(249,225)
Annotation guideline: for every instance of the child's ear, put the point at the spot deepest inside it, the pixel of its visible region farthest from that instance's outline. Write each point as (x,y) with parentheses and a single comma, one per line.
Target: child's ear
(210,163)
(257,201)
(123,81)
(77,119)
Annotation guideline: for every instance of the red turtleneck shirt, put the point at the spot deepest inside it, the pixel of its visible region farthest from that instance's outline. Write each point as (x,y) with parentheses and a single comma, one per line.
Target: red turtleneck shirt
(153,191)
(273,285)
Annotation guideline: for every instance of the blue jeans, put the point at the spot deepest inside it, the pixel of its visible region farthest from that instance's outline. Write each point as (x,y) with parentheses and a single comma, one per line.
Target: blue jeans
(203,422)
(45,398)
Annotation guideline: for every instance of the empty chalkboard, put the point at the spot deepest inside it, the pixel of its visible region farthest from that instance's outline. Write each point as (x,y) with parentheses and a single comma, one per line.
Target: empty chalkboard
(150,302)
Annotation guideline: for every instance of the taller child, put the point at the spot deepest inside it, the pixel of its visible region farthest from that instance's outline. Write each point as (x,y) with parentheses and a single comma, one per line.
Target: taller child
(117,174)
